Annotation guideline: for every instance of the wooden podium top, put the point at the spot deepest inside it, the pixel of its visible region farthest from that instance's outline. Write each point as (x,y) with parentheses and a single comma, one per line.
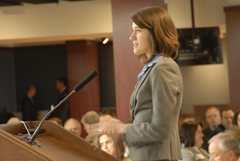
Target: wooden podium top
(57,144)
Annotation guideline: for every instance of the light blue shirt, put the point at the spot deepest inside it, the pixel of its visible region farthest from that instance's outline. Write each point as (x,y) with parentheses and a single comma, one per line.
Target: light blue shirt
(150,64)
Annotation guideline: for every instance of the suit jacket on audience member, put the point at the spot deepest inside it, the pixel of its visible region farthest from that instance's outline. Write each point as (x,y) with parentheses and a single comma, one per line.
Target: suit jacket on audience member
(208,134)
(194,154)
(63,111)
(154,108)
(29,111)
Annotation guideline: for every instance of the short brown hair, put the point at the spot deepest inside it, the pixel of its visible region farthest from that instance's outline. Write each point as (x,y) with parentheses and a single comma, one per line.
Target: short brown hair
(187,133)
(163,34)
(90,117)
(107,112)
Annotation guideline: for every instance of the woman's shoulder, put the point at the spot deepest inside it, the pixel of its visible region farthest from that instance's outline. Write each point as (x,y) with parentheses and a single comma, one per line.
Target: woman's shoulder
(167,63)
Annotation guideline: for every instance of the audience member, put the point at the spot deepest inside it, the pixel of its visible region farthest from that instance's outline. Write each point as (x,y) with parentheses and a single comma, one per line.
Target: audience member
(213,118)
(111,144)
(89,118)
(226,122)
(106,115)
(63,111)
(226,118)
(13,120)
(224,147)
(74,126)
(191,137)
(56,120)
(28,108)
(236,118)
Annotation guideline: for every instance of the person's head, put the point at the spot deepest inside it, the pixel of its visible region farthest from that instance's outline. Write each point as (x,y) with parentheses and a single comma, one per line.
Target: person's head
(89,118)
(111,144)
(236,118)
(224,147)
(61,83)
(212,116)
(154,33)
(106,116)
(56,120)
(74,126)
(13,120)
(227,117)
(191,134)
(31,91)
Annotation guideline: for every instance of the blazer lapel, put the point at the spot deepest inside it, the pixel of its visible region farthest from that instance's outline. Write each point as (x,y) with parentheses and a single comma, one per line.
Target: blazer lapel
(141,81)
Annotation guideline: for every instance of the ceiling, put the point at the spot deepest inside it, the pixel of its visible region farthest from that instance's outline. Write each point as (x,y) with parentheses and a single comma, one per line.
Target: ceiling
(21,2)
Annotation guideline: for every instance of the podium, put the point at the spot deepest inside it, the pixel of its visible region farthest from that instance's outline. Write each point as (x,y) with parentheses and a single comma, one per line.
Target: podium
(57,144)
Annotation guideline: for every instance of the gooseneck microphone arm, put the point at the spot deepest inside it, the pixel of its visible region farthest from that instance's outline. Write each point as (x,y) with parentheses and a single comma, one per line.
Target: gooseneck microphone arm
(75,89)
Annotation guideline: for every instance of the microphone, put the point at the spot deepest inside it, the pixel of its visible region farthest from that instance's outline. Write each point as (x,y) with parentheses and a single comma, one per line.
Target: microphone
(75,89)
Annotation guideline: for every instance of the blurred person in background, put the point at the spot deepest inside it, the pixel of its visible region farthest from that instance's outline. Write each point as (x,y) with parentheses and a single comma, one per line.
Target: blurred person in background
(191,137)
(213,118)
(236,118)
(91,117)
(28,107)
(63,111)
(111,144)
(106,115)
(224,147)
(74,126)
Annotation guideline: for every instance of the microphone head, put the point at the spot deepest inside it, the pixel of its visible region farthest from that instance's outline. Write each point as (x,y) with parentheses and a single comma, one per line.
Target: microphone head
(85,81)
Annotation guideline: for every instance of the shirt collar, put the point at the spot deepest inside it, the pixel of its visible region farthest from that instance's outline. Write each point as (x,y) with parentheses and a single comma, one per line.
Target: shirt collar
(154,60)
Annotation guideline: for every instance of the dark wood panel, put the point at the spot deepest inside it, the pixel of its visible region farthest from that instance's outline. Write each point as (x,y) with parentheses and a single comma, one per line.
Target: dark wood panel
(82,60)
(233,48)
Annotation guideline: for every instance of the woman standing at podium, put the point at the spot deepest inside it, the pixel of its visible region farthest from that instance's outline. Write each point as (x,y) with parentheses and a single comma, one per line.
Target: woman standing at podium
(156,100)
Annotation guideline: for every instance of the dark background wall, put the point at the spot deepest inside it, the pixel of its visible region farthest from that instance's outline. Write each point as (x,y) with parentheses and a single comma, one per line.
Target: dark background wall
(106,75)
(7,83)
(40,66)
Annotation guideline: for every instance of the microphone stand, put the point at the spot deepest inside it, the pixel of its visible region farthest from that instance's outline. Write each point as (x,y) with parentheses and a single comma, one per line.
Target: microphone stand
(47,115)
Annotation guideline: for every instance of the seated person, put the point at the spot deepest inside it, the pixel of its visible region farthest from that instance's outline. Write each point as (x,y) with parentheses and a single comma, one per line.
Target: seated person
(106,115)
(89,118)
(13,120)
(236,118)
(191,137)
(56,120)
(74,126)
(113,145)
(224,147)
(213,118)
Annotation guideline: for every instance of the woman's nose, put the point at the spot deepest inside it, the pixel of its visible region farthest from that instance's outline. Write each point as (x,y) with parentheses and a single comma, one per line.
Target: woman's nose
(132,37)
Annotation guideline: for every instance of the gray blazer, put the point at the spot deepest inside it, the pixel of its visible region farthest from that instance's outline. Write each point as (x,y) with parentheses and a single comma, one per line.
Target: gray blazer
(154,108)
(191,154)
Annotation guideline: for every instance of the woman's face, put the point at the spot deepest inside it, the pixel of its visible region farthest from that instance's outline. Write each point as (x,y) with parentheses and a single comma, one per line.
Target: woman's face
(238,120)
(107,144)
(198,137)
(140,39)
